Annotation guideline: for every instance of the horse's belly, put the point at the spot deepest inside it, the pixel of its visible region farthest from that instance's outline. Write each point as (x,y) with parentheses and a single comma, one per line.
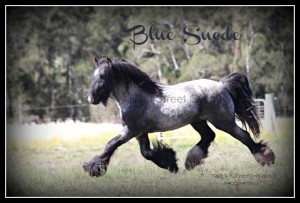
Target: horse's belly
(173,120)
(164,128)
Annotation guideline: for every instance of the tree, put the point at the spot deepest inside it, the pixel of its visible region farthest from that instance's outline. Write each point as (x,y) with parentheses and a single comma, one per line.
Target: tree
(50,51)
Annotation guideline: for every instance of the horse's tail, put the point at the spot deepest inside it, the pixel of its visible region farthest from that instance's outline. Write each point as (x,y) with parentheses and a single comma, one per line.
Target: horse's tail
(241,93)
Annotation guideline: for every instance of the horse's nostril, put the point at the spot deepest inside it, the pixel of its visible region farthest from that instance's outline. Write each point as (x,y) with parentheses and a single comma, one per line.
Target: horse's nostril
(90,99)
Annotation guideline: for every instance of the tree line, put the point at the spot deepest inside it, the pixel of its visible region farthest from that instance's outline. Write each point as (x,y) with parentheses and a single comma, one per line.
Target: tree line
(50,51)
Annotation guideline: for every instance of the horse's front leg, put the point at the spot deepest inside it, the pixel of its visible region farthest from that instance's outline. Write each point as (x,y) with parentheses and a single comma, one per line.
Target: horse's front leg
(98,165)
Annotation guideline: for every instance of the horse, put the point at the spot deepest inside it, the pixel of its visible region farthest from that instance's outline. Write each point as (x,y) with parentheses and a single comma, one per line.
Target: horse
(146,107)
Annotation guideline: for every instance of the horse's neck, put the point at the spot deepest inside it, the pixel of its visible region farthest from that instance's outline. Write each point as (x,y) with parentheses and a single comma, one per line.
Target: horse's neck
(123,95)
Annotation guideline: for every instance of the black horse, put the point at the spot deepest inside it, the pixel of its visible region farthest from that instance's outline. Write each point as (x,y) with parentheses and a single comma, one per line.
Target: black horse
(146,107)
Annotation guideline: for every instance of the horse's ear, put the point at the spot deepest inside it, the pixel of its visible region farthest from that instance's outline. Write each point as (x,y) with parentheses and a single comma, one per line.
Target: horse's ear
(108,61)
(95,62)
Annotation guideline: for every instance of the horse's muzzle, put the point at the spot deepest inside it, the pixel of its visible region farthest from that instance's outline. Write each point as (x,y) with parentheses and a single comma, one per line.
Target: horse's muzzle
(90,99)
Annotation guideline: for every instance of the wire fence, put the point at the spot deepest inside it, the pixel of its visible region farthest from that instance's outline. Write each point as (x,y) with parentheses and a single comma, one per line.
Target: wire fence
(33,118)
(55,107)
(28,115)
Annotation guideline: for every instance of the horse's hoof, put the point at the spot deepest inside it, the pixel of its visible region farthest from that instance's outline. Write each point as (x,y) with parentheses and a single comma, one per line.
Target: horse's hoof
(265,157)
(194,157)
(165,157)
(94,169)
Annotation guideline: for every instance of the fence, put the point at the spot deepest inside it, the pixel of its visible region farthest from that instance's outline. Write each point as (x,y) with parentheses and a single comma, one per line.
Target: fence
(21,111)
(265,109)
(260,106)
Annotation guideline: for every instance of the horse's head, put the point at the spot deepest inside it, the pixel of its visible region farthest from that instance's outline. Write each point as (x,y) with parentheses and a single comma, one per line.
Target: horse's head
(102,82)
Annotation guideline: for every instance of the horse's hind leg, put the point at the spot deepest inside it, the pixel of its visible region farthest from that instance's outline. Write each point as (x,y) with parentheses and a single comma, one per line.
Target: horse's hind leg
(200,150)
(261,151)
(161,155)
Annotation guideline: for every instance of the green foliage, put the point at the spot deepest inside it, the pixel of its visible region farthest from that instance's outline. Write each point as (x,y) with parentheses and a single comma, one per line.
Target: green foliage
(50,51)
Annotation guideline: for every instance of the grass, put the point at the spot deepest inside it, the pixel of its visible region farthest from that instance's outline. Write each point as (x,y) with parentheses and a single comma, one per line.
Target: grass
(52,165)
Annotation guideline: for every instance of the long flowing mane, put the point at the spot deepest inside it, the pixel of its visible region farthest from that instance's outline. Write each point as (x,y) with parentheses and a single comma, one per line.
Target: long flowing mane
(127,73)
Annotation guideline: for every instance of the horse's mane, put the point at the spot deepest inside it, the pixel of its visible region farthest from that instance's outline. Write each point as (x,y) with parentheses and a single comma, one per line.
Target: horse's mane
(128,73)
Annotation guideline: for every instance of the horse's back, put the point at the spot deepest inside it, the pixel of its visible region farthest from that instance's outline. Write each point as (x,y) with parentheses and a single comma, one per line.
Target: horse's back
(206,97)
(201,82)
(201,87)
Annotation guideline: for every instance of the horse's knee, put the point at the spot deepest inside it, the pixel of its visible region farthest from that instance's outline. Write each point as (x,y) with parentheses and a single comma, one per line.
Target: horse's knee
(147,154)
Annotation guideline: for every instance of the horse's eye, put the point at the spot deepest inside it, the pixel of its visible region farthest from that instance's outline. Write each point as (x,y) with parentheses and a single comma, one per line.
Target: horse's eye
(102,77)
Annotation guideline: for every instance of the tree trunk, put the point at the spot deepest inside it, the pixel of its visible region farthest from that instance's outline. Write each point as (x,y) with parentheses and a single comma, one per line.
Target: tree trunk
(236,55)
(177,71)
(159,72)
(250,38)
(69,81)
(186,51)
(10,113)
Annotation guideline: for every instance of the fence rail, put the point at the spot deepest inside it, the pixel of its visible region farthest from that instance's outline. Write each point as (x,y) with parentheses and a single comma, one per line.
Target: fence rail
(36,119)
(260,103)
(260,106)
(49,107)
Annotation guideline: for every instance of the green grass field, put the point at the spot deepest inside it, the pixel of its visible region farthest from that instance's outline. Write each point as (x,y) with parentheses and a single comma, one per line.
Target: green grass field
(51,165)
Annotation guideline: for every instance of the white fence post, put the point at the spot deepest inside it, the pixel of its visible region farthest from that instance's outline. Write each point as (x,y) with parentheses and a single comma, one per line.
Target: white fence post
(268,126)
(270,120)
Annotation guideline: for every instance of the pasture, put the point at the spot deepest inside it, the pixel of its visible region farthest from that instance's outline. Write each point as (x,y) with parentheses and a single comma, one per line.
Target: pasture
(46,160)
